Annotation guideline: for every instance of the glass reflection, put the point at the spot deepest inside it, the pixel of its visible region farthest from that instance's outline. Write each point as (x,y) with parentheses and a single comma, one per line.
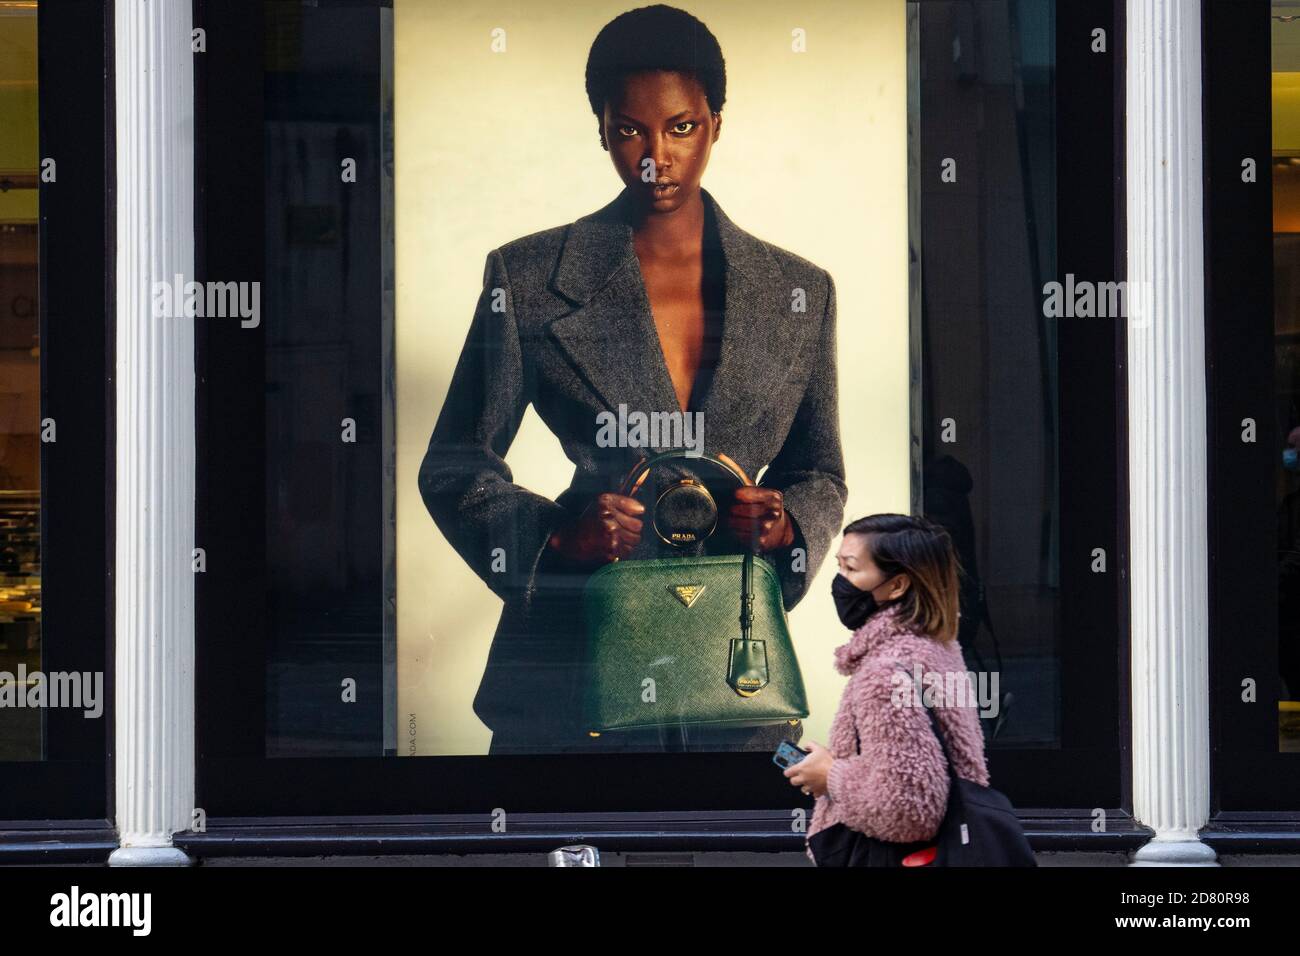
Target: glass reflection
(986,351)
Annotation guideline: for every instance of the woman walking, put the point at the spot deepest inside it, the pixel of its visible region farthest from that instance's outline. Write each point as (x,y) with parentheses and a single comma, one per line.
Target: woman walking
(884,773)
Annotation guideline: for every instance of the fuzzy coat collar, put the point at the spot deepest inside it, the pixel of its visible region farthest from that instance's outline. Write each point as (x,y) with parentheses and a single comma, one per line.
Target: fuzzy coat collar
(879,628)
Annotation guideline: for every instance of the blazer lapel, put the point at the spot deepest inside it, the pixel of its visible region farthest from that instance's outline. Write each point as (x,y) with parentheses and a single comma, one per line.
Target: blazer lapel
(610,335)
(761,333)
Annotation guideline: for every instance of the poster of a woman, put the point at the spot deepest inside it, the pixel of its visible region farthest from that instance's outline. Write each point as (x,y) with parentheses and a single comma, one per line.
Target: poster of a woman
(658,305)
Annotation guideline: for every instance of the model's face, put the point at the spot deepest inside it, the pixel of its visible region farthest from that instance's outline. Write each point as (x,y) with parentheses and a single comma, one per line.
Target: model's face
(659,133)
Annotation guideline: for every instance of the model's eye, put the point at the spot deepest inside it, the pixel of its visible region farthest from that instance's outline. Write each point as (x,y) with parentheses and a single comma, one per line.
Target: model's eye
(685,127)
(627,131)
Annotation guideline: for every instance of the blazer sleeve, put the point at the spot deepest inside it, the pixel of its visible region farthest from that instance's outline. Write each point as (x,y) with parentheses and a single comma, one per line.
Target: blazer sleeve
(896,788)
(809,469)
(499,528)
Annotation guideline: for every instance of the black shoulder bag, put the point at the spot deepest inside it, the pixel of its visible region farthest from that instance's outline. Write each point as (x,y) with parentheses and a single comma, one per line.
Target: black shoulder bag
(979,828)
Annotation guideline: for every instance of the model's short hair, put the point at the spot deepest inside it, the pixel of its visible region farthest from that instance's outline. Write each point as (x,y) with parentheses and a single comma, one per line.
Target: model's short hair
(654,38)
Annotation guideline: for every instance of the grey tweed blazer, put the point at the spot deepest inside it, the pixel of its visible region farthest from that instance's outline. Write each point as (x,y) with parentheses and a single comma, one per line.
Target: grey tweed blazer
(564,324)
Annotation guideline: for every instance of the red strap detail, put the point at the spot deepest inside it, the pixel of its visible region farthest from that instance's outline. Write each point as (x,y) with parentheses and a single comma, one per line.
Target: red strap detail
(921,857)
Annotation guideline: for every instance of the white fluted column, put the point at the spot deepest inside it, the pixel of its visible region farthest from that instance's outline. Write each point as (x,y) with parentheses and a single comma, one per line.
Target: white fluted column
(1169,543)
(154,758)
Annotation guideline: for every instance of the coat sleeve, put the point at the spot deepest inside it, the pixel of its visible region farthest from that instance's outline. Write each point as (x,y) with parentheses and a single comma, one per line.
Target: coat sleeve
(809,469)
(499,528)
(896,788)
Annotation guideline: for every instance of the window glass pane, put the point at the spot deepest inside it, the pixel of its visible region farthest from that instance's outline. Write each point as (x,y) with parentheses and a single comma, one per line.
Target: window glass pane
(1286,346)
(457,301)
(326,199)
(383,630)
(988,234)
(21,728)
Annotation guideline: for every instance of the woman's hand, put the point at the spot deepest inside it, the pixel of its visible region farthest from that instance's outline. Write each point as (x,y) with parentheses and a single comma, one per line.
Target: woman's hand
(609,529)
(809,774)
(758,519)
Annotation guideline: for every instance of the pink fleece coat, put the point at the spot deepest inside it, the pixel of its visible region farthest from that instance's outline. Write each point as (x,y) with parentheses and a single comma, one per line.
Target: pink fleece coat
(896,787)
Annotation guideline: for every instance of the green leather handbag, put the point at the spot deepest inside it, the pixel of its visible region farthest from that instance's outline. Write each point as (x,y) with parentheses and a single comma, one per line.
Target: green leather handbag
(697,640)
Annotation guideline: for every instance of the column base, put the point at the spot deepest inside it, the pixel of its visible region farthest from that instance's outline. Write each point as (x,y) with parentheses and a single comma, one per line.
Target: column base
(1175,851)
(149,856)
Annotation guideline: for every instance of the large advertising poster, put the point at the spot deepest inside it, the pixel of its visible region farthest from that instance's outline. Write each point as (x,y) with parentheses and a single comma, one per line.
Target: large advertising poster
(651,356)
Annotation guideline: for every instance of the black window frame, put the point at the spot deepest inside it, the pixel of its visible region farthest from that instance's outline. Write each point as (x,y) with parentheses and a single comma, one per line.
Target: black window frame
(736,799)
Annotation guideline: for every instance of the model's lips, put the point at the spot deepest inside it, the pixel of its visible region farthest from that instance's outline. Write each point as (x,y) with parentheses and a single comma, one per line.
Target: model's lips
(662,187)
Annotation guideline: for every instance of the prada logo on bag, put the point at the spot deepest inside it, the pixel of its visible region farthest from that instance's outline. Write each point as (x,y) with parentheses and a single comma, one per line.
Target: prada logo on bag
(687,593)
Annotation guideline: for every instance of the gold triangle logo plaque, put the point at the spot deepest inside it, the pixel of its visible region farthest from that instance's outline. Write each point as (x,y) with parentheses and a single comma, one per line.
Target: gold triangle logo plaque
(687,593)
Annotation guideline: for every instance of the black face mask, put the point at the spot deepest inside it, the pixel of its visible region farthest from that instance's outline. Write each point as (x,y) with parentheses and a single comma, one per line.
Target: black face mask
(853,604)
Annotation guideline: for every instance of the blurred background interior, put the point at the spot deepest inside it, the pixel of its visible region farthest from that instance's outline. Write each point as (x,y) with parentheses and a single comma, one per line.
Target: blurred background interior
(20,373)
(1286,338)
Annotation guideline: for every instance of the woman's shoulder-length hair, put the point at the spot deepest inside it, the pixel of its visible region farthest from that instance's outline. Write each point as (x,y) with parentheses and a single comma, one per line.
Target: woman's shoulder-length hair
(924,551)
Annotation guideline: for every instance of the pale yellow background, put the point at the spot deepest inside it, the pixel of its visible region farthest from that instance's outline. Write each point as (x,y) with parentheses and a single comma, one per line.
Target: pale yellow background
(493,146)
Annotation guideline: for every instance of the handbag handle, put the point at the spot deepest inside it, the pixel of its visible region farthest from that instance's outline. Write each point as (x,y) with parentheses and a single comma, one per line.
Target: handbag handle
(632,483)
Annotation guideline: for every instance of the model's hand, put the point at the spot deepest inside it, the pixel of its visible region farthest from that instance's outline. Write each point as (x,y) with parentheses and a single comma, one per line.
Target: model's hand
(809,774)
(758,519)
(609,529)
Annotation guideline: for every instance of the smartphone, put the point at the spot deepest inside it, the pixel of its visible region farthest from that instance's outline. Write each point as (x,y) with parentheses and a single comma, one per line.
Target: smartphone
(787,755)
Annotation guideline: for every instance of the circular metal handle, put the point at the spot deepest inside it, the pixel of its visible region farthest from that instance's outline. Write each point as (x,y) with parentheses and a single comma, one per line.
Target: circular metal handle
(632,483)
